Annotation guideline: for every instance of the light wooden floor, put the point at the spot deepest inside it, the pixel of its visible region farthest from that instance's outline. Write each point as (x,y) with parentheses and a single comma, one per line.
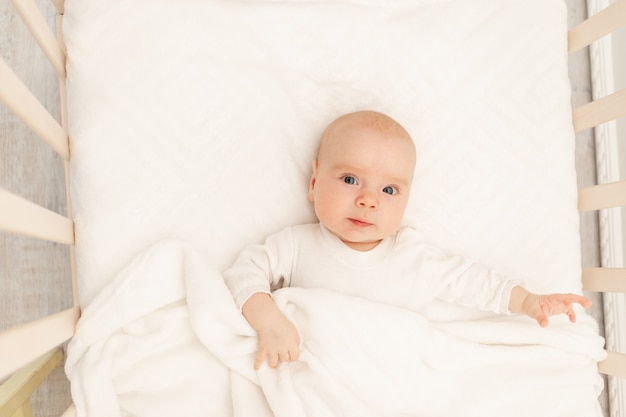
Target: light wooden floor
(34,275)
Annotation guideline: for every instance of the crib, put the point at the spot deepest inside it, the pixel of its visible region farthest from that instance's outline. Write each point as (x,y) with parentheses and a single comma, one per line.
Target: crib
(29,351)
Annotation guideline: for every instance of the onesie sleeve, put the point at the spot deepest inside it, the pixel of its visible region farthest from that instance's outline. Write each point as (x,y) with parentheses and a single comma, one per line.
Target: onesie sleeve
(480,287)
(261,268)
(465,282)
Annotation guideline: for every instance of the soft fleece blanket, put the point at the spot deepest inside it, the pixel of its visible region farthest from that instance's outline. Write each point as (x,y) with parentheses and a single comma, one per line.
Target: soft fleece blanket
(165,338)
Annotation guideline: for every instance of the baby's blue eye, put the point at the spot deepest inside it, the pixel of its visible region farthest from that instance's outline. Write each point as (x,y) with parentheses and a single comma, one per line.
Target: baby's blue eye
(390,190)
(348,179)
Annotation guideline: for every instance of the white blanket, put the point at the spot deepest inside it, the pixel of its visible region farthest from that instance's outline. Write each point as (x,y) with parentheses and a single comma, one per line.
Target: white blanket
(165,338)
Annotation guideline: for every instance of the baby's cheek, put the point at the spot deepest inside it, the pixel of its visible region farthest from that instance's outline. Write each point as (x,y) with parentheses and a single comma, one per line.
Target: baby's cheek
(324,212)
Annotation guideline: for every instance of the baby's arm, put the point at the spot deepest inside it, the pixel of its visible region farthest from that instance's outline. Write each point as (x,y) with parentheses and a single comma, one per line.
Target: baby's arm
(540,307)
(278,339)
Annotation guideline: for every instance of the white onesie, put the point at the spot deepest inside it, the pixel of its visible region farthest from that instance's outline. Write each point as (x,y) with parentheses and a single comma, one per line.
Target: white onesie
(402,270)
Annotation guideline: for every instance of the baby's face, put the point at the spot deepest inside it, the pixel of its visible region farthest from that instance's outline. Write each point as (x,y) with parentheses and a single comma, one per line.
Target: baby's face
(360,184)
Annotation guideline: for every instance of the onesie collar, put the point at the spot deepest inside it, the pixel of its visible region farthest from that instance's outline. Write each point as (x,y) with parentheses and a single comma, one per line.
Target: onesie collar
(352,256)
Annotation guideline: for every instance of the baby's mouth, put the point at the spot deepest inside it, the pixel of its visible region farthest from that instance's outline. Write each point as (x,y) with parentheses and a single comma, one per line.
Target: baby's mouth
(360,223)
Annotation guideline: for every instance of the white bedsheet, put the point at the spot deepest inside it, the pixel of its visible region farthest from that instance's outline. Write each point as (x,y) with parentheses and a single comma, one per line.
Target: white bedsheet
(165,338)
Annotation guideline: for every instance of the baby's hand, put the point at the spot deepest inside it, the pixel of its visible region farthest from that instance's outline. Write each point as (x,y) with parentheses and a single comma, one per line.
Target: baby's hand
(279,342)
(540,307)
(278,338)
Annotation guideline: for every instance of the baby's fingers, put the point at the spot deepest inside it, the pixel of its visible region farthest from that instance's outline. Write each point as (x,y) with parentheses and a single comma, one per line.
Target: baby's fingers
(258,360)
(542,319)
(573,298)
(572,316)
(283,356)
(578,299)
(268,355)
(294,354)
(562,303)
(563,307)
(273,360)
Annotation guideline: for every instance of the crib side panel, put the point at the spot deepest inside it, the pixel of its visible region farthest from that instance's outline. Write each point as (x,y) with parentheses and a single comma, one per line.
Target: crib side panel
(19,216)
(602,196)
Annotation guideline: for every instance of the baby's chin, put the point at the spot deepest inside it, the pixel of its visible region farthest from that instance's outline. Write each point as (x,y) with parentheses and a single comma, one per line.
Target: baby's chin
(363,246)
(360,240)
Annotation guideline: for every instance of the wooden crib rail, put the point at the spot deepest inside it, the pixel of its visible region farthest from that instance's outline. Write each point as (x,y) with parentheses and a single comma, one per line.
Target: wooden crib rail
(604,279)
(31,15)
(612,106)
(21,101)
(603,196)
(60,5)
(18,215)
(15,393)
(22,344)
(614,364)
(600,111)
(597,26)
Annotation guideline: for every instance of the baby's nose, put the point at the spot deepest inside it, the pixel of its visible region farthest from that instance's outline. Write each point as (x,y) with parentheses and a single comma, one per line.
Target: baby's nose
(367,199)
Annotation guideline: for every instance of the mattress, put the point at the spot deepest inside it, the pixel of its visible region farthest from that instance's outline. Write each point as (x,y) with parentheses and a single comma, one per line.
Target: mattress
(199,120)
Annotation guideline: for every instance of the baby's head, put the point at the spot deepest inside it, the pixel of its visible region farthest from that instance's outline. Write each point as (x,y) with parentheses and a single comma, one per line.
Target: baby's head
(362,178)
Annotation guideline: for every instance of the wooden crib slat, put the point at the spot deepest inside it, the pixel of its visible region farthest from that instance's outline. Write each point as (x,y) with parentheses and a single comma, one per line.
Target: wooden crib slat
(18,215)
(68,199)
(60,5)
(21,101)
(602,196)
(27,342)
(600,111)
(614,364)
(15,392)
(602,23)
(32,17)
(604,279)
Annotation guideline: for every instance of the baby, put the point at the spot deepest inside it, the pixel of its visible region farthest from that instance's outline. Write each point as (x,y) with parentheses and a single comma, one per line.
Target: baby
(360,188)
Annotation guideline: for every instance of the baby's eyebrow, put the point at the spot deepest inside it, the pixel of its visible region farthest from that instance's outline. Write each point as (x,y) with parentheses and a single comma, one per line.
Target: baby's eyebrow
(345,168)
(400,181)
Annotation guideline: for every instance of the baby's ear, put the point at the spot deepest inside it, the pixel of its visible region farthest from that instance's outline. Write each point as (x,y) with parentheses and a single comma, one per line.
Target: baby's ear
(313,179)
